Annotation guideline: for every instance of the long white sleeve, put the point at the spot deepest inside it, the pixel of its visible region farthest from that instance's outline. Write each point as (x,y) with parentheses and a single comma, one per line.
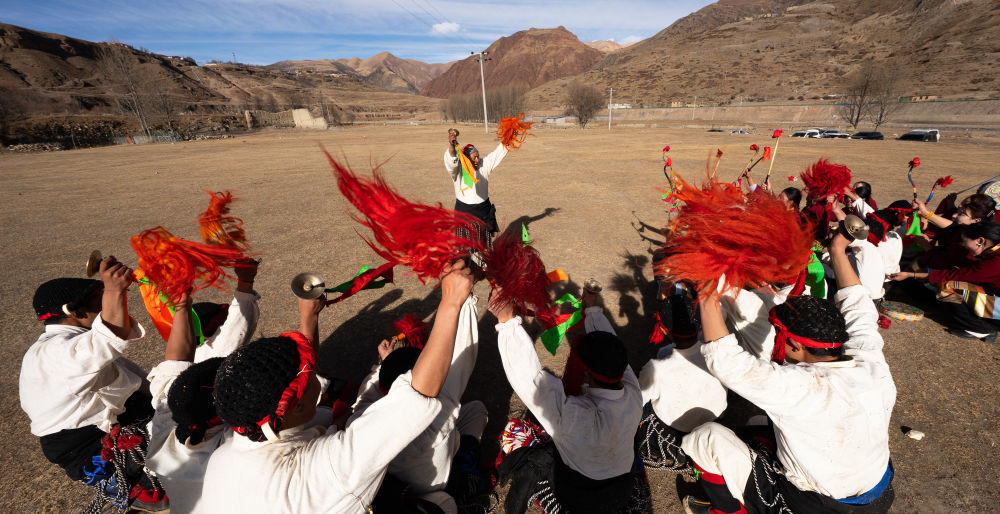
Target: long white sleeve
(451,165)
(239,327)
(862,323)
(491,161)
(463,359)
(595,320)
(541,392)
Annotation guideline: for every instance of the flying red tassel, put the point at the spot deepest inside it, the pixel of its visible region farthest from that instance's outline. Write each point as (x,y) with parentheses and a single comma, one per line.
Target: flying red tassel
(423,237)
(518,271)
(944,182)
(176,265)
(825,178)
(767,153)
(217,227)
(513,131)
(753,241)
(413,329)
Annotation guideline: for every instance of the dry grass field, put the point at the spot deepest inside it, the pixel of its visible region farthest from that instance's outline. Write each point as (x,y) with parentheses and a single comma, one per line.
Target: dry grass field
(581,193)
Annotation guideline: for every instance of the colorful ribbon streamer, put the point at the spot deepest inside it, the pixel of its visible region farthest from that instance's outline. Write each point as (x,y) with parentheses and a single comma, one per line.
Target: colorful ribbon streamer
(468,170)
(160,310)
(563,323)
(364,279)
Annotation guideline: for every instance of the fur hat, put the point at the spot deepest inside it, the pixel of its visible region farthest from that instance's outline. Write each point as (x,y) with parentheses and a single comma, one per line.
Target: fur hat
(52,296)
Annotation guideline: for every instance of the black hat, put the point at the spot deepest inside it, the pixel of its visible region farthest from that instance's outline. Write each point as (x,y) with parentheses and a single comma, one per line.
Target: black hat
(604,356)
(250,382)
(51,296)
(395,364)
(212,316)
(678,315)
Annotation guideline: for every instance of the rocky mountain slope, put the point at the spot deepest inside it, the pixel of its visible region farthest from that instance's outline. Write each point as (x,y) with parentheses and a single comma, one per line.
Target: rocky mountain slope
(383,70)
(43,73)
(533,56)
(784,50)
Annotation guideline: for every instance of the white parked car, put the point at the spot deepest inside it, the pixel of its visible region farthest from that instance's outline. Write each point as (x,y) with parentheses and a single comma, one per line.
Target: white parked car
(806,133)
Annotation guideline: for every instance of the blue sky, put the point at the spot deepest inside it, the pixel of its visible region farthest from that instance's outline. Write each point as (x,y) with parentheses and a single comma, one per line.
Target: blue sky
(263,32)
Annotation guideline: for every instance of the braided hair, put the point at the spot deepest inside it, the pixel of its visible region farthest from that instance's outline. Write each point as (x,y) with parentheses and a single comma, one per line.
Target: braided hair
(604,356)
(72,293)
(250,382)
(192,405)
(816,319)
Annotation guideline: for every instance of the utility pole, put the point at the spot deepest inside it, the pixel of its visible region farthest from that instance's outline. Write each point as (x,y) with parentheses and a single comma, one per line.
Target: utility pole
(611,92)
(694,107)
(234,57)
(482,80)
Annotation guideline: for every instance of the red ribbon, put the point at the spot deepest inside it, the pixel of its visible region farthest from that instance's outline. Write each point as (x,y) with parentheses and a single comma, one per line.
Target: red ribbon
(885,230)
(783,335)
(293,393)
(362,280)
(48,315)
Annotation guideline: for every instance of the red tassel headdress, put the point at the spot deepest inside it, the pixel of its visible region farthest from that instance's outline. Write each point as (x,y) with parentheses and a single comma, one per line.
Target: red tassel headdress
(422,237)
(825,178)
(752,241)
(513,131)
(517,269)
(412,329)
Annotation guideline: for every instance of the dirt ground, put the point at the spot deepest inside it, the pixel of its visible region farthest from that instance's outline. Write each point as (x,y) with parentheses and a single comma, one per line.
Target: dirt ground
(582,194)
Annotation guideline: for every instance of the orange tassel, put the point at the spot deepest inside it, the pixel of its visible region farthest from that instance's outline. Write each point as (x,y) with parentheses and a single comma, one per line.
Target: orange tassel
(753,241)
(217,227)
(512,131)
(176,265)
(159,311)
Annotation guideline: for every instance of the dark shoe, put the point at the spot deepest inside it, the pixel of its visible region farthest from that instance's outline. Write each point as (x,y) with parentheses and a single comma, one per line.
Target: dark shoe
(141,506)
(694,505)
(989,338)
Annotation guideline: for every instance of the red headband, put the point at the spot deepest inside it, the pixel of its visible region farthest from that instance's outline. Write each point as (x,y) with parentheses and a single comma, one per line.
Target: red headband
(885,229)
(293,393)
(48,315)
(783,335)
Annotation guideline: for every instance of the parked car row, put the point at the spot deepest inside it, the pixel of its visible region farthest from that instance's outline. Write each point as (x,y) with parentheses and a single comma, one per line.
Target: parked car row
(930,135)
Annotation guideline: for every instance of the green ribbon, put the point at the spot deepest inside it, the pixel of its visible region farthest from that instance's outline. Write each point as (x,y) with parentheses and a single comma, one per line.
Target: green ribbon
(195,320)
(466,173)
(525,238)
(816,275)
(374,284)
(553,336)
(915,231)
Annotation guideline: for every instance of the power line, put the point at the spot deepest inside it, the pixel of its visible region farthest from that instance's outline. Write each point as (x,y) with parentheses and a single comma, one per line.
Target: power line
(444,18)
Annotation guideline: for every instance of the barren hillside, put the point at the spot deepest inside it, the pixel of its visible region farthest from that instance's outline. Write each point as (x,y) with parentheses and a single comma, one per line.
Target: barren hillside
(383,70)
(773,51)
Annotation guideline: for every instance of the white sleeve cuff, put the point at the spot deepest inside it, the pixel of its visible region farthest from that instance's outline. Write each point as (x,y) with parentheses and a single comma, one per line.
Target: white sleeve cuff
(509,324)
(136,332)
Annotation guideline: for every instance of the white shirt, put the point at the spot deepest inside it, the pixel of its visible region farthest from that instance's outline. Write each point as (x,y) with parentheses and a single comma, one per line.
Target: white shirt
(180,467)
(868,264)
(317,470)
(481,190)
(680,389)
(73,377)
(747,316)
(426,462)
(239,327)
(593,432)
(831,419)
(891,251)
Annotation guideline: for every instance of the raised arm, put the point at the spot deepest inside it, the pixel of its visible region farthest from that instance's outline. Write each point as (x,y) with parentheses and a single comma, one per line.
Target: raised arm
(117,278)
(181,343)
(492,161)
(431,369)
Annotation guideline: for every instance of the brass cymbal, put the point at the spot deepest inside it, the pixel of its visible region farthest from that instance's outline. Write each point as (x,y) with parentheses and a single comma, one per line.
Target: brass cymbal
(854,227)
(308,286)
(94,263)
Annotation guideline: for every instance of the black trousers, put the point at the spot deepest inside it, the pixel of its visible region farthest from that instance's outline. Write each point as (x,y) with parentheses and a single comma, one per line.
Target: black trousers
(963,318)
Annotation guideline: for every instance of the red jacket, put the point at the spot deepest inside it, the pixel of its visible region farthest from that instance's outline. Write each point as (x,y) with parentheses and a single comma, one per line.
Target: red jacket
(984,271)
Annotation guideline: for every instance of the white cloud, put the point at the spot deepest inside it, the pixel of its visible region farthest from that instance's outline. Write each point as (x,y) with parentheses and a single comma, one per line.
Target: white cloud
(631,39)
(445,27)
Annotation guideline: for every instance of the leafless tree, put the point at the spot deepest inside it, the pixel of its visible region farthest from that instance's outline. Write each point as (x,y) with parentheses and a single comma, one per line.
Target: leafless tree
(886,88)
(501,102)
(126,82)
(583,101)
(858,95)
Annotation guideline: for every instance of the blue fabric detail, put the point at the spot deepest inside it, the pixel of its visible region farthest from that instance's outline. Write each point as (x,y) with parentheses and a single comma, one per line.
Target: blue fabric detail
(98,473)
(874,493)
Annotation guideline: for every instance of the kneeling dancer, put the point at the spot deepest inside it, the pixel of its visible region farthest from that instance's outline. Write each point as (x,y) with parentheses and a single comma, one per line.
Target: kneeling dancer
(830,407)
